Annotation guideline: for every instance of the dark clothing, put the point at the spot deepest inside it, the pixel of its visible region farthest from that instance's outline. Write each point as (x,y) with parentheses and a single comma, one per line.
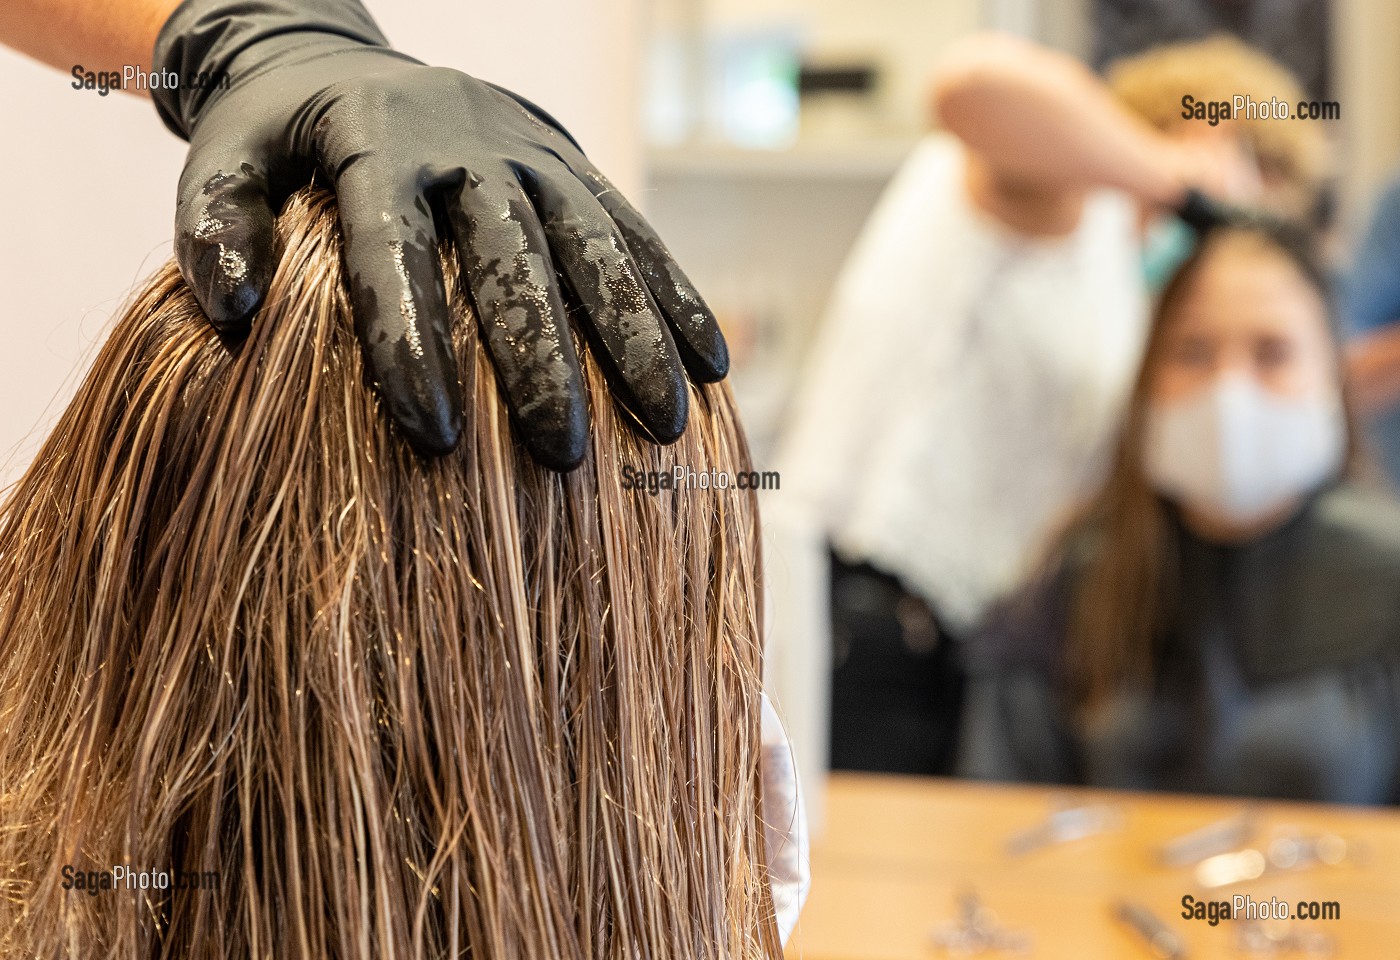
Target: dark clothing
(1296,33)
(1278,672)
(896,680)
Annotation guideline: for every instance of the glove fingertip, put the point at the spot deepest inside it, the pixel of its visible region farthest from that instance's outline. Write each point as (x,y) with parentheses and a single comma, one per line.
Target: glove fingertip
(426,407)
(229,272)
(708,367)
(556,434)
(436,438)
(560,451)
(664,408)
(230,304)
(553,425)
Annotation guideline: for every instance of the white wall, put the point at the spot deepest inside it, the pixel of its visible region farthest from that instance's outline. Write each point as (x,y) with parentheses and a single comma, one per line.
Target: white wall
(903,36)
(87,183)
(578,59)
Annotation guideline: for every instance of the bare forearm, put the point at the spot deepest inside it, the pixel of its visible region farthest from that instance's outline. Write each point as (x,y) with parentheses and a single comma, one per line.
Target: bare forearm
(1039,116)
(102,35)
(1373,366)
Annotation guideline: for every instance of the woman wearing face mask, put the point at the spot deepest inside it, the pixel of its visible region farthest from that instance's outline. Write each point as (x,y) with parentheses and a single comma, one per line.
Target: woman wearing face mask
(1225,615)
(968,378)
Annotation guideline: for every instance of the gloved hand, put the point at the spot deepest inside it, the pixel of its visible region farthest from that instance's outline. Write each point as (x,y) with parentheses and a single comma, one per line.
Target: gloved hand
(314,89)
(1203,213)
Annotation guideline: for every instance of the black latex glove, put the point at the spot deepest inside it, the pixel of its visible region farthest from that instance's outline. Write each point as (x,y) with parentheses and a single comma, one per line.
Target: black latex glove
(315,88)
(1204,213)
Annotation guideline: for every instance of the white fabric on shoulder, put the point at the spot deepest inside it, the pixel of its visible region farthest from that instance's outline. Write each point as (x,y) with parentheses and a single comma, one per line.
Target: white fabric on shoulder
(964,386)
(961,395)
(784,824)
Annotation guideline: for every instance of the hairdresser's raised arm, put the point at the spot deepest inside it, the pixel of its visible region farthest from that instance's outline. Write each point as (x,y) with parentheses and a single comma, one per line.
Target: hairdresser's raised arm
(100,35)
(1034,116)
(272,92)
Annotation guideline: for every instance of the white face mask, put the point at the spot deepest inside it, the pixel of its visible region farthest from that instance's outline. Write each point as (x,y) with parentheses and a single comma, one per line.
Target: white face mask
(1239,451)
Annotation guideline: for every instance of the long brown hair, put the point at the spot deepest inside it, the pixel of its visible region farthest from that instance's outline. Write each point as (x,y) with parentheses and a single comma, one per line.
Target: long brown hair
(1123,548)
(392,708)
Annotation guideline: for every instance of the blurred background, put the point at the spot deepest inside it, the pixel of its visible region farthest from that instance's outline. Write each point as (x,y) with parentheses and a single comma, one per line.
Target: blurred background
(771,128)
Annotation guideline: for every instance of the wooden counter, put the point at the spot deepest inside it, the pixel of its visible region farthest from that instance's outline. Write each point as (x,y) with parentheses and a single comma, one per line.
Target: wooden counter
(896,852)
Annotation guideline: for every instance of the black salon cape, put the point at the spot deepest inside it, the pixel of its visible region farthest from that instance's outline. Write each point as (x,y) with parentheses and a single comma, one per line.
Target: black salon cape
(1279,677)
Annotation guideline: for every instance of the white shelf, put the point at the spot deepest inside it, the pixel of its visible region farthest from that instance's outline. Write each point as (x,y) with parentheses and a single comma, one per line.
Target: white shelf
(871,161)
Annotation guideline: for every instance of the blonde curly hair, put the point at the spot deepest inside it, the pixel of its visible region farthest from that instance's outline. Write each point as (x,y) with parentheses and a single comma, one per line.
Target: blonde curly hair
(1152,84)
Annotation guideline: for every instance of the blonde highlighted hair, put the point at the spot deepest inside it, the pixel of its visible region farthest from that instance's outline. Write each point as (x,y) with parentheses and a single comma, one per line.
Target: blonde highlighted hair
(394,708)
